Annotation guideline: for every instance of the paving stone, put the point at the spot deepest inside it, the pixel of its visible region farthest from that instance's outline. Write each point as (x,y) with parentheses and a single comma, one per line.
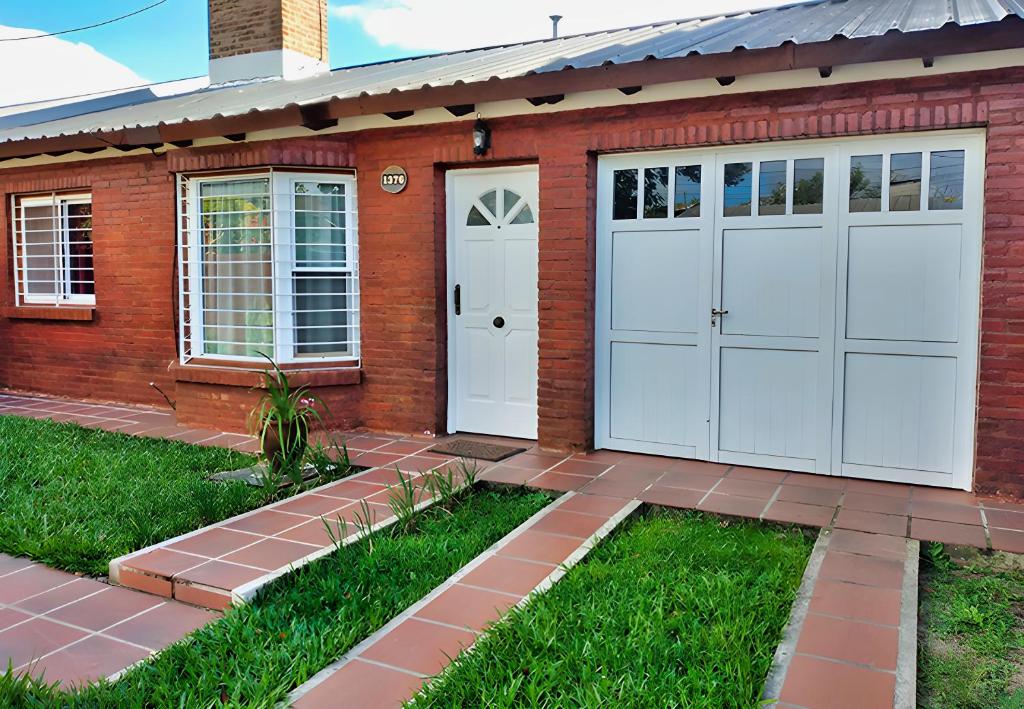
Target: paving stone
(509,475)
(214,542)
(537,546)
(570,524)
(732,505)
(855,542)
(220,574)
(688,480)
(103,609)
(942,512)
(813,683)
(362,684)
(419,646)
(1004,519)
(672,497)
(31,581)
(508,575)
(765,475)
(875,487)
(592,505)
(91,659)
(272,554)
(746,488)
(856,602)
(850,641)
(1009,540)
(895,525)
(823,497)
(580,467)
(948,532)
(881,504)
(560,481)
(870,571)
(68,593)
(162,626)
(625,489)
(164,562)
(34,638)
(797,513)
(466,607)
(267,522)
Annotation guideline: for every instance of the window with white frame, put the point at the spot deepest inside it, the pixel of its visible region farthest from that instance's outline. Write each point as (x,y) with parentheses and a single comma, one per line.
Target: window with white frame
(53,249)
(269,266)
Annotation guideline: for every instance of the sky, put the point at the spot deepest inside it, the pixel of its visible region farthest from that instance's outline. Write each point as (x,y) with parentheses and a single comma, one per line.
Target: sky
(170,41)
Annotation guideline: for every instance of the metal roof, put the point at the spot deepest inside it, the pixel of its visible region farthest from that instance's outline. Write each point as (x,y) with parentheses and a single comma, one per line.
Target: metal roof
(798,23)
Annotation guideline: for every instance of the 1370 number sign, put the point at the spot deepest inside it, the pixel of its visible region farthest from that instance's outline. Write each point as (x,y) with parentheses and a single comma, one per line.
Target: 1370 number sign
(393,179)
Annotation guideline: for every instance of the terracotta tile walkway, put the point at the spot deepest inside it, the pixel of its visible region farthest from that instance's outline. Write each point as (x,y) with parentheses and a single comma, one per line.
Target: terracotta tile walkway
(390,666)
(136,420)
(228,562)
(76,630)
(856,615)
(927,514)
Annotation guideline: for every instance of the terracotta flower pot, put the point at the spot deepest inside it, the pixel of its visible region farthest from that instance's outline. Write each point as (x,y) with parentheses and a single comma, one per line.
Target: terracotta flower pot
(281,449)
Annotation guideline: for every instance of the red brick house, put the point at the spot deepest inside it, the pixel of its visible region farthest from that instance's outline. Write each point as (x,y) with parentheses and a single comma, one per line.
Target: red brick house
(791,238)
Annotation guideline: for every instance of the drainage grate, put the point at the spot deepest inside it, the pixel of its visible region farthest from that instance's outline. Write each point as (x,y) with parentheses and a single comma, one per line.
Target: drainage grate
(464,448)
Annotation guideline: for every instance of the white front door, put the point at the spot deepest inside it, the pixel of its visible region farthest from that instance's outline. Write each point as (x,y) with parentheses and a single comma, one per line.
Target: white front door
(810,306)
(492,234)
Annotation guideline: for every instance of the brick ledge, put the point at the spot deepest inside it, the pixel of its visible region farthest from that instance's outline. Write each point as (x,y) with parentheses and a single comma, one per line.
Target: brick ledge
(248,377)
(48,312)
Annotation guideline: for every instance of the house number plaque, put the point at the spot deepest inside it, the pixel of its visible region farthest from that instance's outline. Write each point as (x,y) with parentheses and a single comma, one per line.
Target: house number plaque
(393,179)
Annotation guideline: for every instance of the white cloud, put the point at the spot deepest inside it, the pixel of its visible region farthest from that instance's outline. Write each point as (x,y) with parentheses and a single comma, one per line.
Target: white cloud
(463,24)
(51,67)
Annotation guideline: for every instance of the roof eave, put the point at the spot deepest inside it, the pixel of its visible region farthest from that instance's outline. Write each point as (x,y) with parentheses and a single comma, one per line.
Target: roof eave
(947,40)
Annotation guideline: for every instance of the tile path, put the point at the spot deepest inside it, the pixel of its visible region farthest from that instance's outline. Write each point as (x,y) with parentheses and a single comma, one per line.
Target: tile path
(77,630)
(391,665)
(135,420)
(228,562)
(847,639)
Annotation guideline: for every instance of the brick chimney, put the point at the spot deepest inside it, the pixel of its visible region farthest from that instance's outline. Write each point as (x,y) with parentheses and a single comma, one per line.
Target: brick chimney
(258,39)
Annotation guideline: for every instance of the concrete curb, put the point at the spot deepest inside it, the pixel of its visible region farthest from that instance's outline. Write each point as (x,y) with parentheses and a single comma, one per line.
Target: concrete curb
(906,659)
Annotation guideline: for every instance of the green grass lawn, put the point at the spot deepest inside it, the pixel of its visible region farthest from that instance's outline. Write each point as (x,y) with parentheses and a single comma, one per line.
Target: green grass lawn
(75,498)
(971,649)
(306,620)
(675,609)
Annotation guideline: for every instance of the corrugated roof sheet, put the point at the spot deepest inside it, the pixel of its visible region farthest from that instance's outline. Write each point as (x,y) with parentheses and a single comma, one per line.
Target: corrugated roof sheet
(800,23)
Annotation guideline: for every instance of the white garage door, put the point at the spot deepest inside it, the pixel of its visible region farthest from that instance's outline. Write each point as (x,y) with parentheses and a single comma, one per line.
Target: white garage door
(810,305)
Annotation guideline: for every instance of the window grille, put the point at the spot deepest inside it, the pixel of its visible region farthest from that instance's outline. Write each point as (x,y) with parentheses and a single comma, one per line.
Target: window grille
(269,266)
(53,251)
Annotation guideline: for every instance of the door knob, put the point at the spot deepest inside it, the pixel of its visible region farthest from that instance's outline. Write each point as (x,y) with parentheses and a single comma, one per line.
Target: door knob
(499,322)
(715,314)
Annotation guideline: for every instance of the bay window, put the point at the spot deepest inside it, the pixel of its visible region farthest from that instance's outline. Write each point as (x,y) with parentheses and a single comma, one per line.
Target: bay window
(53,249)
(269,266)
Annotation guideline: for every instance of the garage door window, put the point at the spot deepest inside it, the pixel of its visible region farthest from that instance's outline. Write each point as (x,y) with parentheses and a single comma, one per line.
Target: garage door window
(946,180)
(905,182)
(904,187)
(687,201)
(866,183)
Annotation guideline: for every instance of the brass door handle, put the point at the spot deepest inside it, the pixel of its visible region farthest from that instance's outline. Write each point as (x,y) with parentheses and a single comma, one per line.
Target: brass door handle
(715,313)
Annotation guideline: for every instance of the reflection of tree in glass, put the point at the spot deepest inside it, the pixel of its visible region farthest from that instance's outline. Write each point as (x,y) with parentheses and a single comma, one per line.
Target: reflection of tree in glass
(808,190)
(861,186)
(687,189)
(736,172)
(655,190)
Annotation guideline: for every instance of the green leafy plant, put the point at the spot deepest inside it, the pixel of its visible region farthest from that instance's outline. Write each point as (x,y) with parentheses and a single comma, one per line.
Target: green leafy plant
(330,460)
(281,420)
(403,499)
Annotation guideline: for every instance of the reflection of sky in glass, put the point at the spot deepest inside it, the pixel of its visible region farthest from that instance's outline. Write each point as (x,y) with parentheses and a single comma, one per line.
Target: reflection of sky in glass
(738,184)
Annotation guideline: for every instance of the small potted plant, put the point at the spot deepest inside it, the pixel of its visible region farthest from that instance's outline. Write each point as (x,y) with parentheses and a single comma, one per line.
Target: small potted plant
(282,421)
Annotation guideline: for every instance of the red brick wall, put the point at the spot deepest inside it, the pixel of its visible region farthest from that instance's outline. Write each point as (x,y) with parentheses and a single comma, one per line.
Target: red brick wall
(248,26)
(402,246)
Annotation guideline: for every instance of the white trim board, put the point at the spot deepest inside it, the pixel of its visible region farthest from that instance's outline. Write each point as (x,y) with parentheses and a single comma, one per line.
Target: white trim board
(674,91)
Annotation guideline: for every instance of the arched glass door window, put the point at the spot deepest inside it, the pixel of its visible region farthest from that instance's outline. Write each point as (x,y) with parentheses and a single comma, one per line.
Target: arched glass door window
(512,208)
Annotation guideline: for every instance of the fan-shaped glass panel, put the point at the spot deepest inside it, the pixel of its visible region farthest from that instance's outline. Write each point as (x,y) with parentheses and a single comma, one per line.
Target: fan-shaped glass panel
(490,200)
(477,218)
(511,199)
(525,216)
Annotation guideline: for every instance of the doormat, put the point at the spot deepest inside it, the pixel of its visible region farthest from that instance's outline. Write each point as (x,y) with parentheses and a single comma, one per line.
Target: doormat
(464,448)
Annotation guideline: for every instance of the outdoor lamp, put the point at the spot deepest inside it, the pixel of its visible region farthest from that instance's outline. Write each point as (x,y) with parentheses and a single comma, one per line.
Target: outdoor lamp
(481,136)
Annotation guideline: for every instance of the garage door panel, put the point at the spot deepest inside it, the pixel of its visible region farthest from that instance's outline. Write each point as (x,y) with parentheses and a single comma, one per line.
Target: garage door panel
(900,411)
(654,393)
(768,404)
(655,281)
(771,281)
(904,282)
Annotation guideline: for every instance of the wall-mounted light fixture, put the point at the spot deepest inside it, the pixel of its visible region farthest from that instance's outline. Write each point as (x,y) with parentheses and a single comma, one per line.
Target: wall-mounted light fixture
(481,136)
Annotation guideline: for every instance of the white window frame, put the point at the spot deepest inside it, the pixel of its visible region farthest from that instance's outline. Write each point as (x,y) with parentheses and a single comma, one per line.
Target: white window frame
(282,240)
(62,295)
